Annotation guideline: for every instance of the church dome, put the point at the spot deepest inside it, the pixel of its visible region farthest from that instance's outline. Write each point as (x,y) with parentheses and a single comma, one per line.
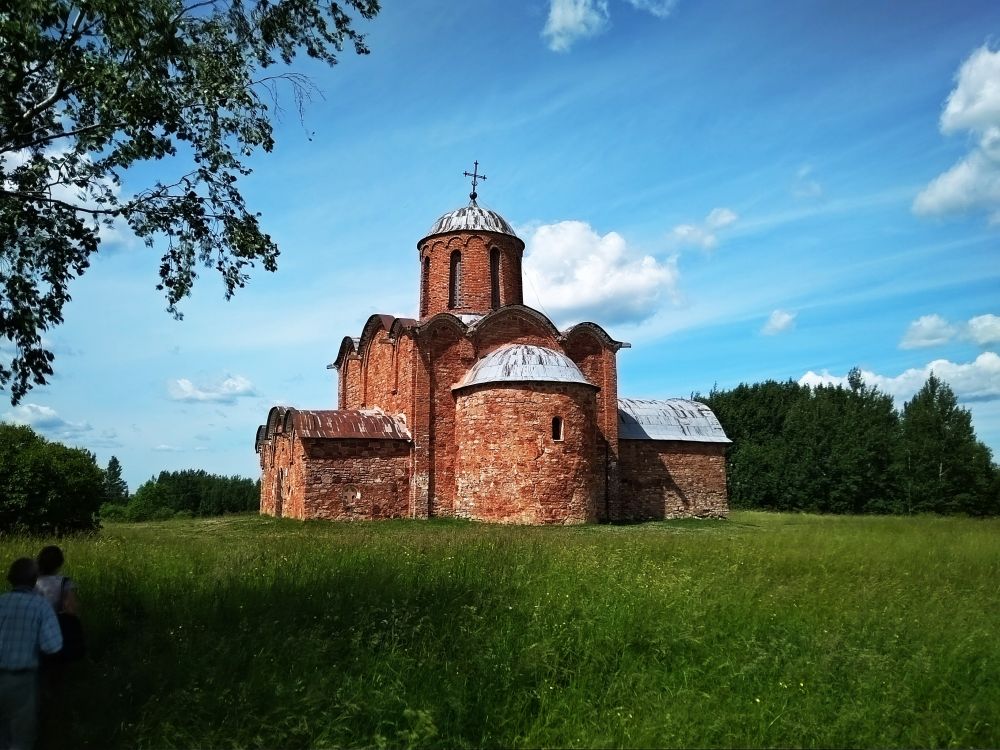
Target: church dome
(471,218)
(519,363)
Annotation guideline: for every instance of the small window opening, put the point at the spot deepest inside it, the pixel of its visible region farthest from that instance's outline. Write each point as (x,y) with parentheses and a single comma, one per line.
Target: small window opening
(455,280)
(495,278)
(557,428)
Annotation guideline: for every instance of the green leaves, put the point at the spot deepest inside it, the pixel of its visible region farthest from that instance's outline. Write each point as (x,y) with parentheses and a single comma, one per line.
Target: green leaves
(846,450)
(87,91)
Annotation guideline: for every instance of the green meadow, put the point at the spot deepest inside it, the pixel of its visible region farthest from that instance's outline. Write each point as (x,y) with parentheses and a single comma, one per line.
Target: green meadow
(764,630)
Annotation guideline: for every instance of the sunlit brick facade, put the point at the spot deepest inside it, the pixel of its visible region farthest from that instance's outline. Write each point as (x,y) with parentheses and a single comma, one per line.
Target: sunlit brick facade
(481,408)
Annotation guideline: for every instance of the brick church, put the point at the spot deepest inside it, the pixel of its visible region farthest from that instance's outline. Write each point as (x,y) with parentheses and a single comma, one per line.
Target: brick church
(481,408)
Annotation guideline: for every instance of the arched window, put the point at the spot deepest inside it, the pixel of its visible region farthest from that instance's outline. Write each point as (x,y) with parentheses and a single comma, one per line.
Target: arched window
(494,278)
(425,277)
(557,428)
(455,280)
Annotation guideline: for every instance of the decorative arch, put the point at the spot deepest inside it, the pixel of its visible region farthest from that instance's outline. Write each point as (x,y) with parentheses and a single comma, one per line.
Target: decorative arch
(348,347)
(373,325)
(443,319)
(259,438)
(595,331)
(275,418)
(544,325)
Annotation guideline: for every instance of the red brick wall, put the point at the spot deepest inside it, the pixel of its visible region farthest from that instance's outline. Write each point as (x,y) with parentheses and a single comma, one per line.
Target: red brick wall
(355,479)
(599,365)
(510,470)
(672,479)
(276,464)
(449,356)
(387,374)
(476,285)
(351,390)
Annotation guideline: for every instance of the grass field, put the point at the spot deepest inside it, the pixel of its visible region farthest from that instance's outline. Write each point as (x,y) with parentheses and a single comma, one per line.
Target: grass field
(764,630)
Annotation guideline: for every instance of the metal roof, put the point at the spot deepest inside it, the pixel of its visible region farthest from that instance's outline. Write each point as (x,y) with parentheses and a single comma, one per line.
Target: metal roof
(471,218)
(516,363)
(344,423)
(668,419)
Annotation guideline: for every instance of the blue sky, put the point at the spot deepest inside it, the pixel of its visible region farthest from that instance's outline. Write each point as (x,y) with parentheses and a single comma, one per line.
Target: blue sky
(742,190)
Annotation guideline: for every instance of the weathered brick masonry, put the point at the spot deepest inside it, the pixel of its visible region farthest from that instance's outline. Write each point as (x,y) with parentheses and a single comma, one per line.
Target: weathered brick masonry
(672,479)
(483,409)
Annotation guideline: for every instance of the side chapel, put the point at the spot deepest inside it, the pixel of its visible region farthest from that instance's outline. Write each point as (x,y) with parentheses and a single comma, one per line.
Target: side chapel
(481,408)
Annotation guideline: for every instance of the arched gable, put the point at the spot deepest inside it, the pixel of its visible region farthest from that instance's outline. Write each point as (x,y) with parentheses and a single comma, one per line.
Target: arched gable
(259,438)
(373,325)
(442,319)
(401,325)
(275,420)
(348,347)
(513,324)
(594,331)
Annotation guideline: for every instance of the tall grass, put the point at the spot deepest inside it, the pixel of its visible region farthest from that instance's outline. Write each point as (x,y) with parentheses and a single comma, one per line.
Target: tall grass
(764,630)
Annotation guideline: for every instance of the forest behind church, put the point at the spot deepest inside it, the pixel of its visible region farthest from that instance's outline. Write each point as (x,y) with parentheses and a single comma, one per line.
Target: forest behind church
(837,449)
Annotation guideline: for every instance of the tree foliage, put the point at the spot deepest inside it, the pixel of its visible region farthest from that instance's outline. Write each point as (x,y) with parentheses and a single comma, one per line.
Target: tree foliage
(187,493)
(90,88)
(46,487)
(115,488)
(833,449)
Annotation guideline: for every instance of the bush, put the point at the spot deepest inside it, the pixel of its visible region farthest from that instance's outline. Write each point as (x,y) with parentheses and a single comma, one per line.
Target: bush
(45,487)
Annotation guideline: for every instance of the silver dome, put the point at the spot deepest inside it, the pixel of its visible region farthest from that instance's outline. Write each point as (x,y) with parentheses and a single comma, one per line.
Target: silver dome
(516,363)
(471,218)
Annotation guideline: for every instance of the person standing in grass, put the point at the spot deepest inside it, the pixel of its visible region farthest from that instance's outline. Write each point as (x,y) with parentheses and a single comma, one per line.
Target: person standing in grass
(58,589)
(28,627)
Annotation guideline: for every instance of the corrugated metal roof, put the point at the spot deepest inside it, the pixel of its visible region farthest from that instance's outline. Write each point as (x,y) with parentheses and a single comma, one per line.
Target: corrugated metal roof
(348,423)
(668,419)
(523,363)
(471,218)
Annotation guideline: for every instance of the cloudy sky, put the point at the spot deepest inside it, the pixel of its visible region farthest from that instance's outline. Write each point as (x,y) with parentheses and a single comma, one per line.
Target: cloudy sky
(742,190)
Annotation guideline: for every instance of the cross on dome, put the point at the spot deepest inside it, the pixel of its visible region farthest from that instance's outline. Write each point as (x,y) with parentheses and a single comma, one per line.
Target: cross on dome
(474,174)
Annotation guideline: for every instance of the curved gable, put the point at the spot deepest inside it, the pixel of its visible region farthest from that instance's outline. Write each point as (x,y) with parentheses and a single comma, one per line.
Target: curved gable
(513,324)
(594,331)
(275,419)
(348,347)
(373,325)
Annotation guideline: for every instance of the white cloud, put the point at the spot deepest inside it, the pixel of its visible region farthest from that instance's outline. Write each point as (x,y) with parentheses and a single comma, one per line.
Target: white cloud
(927,330)
(704,235)
(973,184)
(163,448)
(580,274)
(978,380)
(47,421)
(805,185)
(227,391)
(984,329)
(933,330)
(779,322)
(974,103)
(570,20)
(659,8)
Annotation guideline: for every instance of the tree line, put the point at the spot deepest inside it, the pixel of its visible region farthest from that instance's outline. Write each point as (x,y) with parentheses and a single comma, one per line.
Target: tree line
(837,449)
(185,494)
(49,488)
